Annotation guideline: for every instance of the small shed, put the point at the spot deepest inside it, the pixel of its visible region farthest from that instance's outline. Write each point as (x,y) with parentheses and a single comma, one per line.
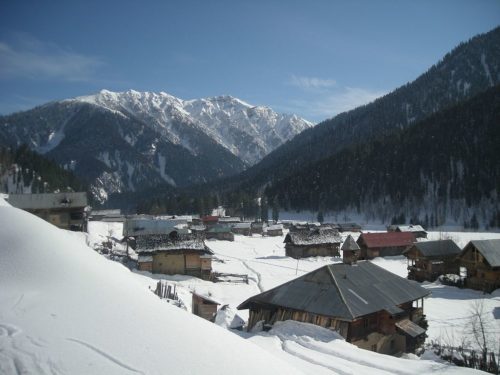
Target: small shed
(220,232)
(429,259)
(257,227)
(244,229)
(383,244)
(309,243)
(350,250)
(204,306)
(274,230)
(481,259)
(417,230)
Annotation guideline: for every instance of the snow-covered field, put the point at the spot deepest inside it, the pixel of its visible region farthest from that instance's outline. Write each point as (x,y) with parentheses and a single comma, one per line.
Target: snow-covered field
(64,309)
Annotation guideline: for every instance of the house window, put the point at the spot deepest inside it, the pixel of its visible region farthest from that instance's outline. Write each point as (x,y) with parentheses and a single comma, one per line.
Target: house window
(393,344)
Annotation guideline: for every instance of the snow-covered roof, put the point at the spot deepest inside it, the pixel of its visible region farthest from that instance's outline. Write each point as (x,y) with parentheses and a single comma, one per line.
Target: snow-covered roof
(410,228)
(275,227)
(313,237)
(56,315)
(48,200)
(162,243)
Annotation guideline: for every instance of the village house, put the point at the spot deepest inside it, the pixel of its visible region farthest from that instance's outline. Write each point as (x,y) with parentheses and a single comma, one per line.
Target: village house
(257,227)
(481,259)
(374,245)
(229,220)
(417,230)
(204,306)
(274,230)
(244,229)
(430,259)
(220,232)
(310,243)
(64,210)
(184,255)
(370,307)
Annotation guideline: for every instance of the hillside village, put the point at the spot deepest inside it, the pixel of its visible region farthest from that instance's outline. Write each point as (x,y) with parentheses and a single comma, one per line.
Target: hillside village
(388,291)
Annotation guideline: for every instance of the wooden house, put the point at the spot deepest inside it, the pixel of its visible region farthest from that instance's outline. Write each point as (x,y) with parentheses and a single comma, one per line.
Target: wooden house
(274,230)
(184,255)
(310,243)
(430,259)
(244,229)
(220,232)
(481,259)
(64,210)
(204,306)
(370,307)
(257,227)
(374,245)
(417,230)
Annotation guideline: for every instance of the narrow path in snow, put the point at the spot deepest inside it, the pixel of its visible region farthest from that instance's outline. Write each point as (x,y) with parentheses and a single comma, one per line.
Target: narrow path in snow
(257,274)
(105,355)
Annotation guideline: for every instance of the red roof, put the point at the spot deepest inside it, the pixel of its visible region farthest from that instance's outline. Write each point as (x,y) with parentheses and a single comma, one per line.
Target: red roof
(210,219)
(389,239)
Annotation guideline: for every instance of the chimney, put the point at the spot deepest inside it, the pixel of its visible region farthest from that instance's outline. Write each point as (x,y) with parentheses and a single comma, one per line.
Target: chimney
(350,251)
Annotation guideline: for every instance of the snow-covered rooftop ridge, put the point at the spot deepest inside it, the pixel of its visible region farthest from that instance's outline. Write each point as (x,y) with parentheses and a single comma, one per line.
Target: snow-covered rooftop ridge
(58,308)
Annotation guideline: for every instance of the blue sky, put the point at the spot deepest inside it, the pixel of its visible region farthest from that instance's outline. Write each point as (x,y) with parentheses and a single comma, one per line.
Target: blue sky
(313,58)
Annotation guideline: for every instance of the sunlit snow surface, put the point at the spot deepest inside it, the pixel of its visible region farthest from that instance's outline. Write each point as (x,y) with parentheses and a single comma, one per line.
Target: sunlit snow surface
(64,309)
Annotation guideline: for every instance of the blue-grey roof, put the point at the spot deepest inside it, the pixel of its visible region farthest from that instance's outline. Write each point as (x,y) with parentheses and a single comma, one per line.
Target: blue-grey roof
(436,248)
(349,244)
(342,291)
(490,249)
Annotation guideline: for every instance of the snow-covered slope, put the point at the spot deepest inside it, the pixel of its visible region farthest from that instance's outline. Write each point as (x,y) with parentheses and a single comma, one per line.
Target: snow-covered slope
(64,309)
(247,131)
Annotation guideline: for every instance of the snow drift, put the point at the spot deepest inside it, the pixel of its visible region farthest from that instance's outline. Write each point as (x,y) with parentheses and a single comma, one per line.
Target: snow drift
(66,310)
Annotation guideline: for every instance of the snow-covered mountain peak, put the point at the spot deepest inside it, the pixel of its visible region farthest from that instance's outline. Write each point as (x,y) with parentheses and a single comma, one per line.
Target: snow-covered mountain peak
(249,132)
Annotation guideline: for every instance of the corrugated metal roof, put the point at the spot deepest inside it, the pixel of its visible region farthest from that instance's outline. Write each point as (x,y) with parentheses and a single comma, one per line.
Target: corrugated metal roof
(349,244)
(490,249)
(342,291)
(436,248)
(313,237)
(48,200)
(161,243)
(387,239)
(410,328)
